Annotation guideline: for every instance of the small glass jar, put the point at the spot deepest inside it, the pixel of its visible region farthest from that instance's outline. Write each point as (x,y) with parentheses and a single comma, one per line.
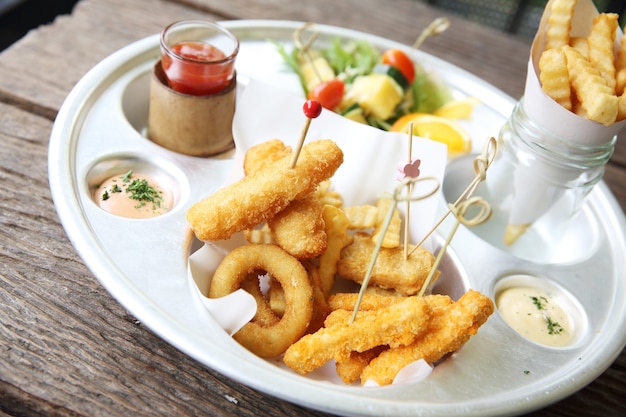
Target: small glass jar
(198,57)
(537,185)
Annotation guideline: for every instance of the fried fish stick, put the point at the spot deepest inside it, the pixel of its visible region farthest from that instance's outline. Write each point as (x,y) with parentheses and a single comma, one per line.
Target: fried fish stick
(449,328)
(261,195)
(395,325)
(264,155)
(347,301)
(391,269)
(302,218)
(350,368)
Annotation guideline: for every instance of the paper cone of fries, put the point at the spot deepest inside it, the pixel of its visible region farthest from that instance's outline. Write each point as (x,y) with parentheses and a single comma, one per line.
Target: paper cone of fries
(573,96)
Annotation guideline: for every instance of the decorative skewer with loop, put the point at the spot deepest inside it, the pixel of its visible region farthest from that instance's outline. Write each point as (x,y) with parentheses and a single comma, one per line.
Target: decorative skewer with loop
(459,208)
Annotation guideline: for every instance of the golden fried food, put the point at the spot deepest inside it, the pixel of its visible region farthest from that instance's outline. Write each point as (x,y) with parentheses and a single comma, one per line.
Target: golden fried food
(580,44)
(347,301)
(596,98)
(320,302)
(601,41)
(560,23)
(326,196)
(349,369)
(392,234)
(362,217)
(264,193)
(450,326)
(336,224)
(391,270)
(248,261)
(620,68)
(300,229)
(395,325)
(554,77)
(264,154)
(260,235)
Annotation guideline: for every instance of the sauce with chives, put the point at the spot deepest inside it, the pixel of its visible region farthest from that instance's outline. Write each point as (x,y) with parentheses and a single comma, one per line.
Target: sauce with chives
(132,195)
(534,314)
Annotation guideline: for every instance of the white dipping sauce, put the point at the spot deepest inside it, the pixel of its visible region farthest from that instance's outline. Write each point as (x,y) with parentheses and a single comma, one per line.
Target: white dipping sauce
(132,195)
(535,315)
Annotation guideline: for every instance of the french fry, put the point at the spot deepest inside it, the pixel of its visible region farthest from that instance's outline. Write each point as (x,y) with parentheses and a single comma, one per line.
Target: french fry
(601,42)
(554,77)
(580,44)
(620,68)
(596,98)
(361,217)
(560,23)
(336,225)
(326,196)
(262,235)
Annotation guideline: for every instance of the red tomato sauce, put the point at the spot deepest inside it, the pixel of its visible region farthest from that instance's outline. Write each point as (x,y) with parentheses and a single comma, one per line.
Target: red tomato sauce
(202,70)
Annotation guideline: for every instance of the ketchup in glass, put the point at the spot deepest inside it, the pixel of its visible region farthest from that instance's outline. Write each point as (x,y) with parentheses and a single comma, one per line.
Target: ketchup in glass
(198,67)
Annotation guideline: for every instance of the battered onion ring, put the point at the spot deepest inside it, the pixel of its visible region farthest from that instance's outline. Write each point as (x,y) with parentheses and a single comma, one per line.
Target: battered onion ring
(260,336)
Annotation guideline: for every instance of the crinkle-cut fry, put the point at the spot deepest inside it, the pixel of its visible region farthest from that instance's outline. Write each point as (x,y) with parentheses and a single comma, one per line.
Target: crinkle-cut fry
(262,235)
(554,77)
(362,217)
(580,44)
(262,194)
(621,106)
(395,325)
(349,369)
(560,23)
(620,68)
(264,154)
(595,96)
(601,42)
(299,228)
(391,270)
(392,235)
(449,328)
(336,224)
(328,197)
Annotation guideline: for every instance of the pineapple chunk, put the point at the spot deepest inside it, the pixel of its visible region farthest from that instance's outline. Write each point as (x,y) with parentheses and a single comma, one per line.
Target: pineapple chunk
(377,94)
(309,75)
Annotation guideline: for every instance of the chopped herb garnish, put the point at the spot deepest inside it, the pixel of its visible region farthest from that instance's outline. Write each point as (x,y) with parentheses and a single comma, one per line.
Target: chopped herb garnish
(538,302)
(554,327)
(126,177)
(526,372)
(138,189)
(141,191)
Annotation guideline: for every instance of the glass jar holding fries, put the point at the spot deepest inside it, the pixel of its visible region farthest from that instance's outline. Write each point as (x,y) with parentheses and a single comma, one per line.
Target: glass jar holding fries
(537,186)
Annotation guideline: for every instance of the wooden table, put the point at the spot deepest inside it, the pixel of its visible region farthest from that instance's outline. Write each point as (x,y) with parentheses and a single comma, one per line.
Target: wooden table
(67,348)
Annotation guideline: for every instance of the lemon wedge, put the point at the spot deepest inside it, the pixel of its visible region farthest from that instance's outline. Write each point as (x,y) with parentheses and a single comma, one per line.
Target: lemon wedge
(436,128)
(458,109)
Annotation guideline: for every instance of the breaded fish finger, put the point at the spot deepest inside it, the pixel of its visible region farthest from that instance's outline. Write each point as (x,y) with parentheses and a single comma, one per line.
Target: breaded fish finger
(449,328)
(264,154)
(391,269)
(301,218)
(261,195)
(394,326)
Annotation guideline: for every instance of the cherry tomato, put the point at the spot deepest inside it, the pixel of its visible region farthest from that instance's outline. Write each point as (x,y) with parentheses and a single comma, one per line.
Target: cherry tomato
(328,93)
(398,59)
(312,108)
